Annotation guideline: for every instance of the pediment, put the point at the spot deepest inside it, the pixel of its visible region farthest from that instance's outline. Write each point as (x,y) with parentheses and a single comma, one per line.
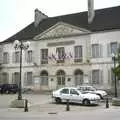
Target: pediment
(60,30)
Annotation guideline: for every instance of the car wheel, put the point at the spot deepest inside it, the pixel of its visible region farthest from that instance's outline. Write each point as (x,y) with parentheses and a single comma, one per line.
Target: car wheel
(86,102)
(100,96)
(57,100)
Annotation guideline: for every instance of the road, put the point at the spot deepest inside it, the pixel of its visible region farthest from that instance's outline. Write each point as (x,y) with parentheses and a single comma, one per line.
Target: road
(42,108)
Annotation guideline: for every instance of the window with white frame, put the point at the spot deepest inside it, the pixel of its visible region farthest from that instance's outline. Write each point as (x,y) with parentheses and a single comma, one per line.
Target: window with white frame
(29,78)
(96,51)
(44,56)
(61,54)
(5,58)
(113,47)
(78,54)
(29,56)
(97,76)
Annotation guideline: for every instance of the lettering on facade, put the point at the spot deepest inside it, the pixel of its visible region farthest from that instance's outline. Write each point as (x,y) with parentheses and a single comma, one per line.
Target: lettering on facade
(61,43)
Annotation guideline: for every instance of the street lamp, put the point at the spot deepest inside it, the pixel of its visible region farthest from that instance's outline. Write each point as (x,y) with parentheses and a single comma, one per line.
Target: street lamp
(114,60)
(19,45)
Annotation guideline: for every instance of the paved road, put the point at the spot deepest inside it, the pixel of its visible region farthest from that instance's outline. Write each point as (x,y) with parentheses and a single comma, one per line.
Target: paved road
(42,108)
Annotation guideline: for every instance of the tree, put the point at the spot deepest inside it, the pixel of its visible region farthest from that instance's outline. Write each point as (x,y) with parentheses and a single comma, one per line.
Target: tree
(116,70)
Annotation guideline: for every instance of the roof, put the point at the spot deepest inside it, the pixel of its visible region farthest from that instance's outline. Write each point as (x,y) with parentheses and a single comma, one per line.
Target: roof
(105,19)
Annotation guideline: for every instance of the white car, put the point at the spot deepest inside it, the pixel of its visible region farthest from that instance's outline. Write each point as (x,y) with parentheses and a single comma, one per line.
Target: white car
(74,96)
(91,89)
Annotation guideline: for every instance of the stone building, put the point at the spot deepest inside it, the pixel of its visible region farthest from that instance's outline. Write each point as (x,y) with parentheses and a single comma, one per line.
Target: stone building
(64,51)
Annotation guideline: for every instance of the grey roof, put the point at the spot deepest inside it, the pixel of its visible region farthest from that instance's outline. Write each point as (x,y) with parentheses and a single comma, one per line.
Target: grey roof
(105,19)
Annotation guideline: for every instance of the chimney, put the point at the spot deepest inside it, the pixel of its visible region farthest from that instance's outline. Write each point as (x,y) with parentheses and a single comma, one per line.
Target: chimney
(39,16)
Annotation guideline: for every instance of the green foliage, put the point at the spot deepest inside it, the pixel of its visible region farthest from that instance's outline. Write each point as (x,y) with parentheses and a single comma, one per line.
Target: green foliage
(116,70)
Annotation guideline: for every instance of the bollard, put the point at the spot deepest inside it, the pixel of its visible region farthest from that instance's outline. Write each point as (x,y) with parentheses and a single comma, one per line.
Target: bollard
(67,106)
(26,106)
(107,103)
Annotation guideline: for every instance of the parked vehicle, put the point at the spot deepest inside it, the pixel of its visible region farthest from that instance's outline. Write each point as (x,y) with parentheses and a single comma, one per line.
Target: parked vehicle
(91,89)
(74,96)
(9,88)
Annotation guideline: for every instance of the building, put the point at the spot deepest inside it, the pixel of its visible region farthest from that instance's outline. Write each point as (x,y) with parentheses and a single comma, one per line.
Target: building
(64,51)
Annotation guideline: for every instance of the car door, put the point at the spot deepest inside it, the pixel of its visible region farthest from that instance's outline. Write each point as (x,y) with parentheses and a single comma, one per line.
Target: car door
(64,94)
(75,97)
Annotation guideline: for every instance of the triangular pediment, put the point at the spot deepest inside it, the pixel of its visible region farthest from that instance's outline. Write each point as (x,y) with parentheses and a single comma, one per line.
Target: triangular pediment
(61,29)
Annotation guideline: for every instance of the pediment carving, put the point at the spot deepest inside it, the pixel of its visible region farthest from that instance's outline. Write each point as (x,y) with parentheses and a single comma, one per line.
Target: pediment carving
(61,30)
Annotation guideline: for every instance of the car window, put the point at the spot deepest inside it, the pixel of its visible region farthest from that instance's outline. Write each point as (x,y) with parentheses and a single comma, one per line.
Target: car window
(65,91)
(73,91)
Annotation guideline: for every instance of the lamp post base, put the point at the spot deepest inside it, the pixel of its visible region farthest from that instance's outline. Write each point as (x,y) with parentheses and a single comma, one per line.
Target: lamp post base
(17,103)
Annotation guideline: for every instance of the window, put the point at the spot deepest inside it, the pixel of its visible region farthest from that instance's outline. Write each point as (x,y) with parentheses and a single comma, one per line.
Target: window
(65,91)
(61,54)
(5,58)
(72,91)
(29,78)
(44,56)
(96,50)
(97,77)
(17,57)
(5,77)
(78,53)
(29,56)
(113,47)
(44,78)
(16,78)
(61,77)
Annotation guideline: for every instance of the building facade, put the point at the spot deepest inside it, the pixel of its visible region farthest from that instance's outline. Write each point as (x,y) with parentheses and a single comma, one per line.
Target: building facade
(64,51)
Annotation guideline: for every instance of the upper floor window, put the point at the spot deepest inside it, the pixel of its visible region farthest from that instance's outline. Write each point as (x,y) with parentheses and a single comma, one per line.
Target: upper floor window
(5,58)
(16,57)
(78,53)
(112,48)
(60,54)
(96,50)
(29,56)
(44,56)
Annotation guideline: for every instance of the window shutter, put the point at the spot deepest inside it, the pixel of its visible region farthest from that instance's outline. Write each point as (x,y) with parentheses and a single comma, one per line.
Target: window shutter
(109,76)
(101,50)
(26,54)
(108,50)
(13,57)
(101,77)
(90,77)
(8,58)
(25,78)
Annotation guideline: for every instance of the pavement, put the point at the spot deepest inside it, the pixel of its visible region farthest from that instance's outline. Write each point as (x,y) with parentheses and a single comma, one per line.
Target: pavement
(42,107)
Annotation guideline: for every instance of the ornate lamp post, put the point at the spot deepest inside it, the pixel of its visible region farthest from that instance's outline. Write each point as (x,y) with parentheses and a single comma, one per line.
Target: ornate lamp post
(19,45)
(114,60)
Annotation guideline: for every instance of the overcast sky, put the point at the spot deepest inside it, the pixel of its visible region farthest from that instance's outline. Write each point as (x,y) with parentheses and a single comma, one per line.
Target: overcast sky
(16,14)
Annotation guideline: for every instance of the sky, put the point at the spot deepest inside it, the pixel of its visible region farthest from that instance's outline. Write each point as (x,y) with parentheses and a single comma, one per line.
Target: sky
(17,14)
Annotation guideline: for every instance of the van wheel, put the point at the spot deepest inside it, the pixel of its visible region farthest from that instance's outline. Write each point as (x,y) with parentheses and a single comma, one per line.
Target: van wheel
(86,102)
(57,100)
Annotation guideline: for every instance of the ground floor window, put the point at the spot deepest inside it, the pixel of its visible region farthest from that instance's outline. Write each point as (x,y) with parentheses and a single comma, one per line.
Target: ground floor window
(16,78)
(60,77)
(44,78)
(29,78)
(78,76)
